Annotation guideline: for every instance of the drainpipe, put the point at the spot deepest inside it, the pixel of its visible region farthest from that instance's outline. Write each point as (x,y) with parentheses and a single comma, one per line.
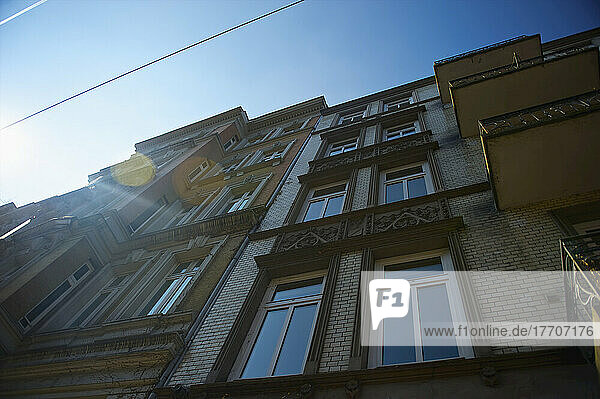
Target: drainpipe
(174,364)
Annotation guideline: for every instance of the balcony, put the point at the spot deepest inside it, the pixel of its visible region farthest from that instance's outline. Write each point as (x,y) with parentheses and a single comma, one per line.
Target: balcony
(523,84)
(580,258)
(544,152)
(483,59)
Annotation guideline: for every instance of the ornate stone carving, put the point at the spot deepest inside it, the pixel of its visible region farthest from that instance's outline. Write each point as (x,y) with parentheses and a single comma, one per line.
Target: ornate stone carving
(352,389)
(364,224)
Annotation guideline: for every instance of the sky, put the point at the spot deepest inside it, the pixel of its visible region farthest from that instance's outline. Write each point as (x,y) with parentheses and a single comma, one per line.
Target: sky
(339,49)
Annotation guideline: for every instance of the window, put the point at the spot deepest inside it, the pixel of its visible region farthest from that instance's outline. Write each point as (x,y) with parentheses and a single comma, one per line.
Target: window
(342,146)
(435,299)
(395,105)
(171,289)
(99,301)
(146,214)
(399,131)
(409,182)
(324,201)
(46,304)
(237,203)
(273,156)
(197,171)
(351,118)
(231,142)
(282,330)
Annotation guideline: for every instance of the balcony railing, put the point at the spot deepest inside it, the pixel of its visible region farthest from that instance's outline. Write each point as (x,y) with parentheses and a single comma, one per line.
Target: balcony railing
(540,115)
(518,65)
(479,50)
(580,258)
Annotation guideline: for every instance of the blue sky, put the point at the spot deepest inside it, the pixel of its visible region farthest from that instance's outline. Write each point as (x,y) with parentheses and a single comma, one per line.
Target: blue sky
(340,49)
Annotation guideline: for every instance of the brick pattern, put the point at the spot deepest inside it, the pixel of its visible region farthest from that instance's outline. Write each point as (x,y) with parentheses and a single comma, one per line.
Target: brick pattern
(361,191)
(427,92)
(340,328)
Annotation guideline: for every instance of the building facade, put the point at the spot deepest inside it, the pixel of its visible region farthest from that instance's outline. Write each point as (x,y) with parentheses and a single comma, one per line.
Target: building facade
(185,274)
(101,285)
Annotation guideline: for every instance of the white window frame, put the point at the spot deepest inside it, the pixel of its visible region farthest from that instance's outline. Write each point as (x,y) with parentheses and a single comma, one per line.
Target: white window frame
(234,139)
(268,305)
(454,299)
(198,170)
(73,283)
(352,117)
(152,217)
(343,145)
(327,197)
(177,290)
(403,130)
(404,179)
(237,203)
(398,103)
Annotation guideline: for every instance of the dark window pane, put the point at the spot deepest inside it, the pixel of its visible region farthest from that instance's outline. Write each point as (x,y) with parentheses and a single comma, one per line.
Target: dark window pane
(329,190)
(404,172)
(49,300)
(80,272)
(314,210)
(295,344)
(434,311)
(407,273)
(394,192)
(181,268)
(297,290)
(264,347)
(89,309)
(142,217)
(118,281)
(416,187)
(334,206)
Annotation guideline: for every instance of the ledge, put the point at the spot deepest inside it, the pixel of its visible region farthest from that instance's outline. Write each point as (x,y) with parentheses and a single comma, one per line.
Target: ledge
(364,156)
(480,50)
(521,65)
(350,380)
(540,115)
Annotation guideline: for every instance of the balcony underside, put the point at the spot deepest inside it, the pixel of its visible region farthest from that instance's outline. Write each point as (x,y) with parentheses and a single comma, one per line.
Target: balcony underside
(545,159)
(482,60)
(514,88)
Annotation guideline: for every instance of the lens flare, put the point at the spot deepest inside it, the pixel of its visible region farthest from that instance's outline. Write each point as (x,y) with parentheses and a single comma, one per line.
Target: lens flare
(136,171)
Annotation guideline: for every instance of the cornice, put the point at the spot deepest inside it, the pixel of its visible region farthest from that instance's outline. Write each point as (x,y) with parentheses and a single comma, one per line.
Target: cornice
(380,95)
(482,49)
(380,152)
(347,380)
(528,118)
(571,39)
(231,114)
(293,111)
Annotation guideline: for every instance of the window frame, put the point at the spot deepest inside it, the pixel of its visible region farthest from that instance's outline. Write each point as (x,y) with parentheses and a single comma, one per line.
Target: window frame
(73,284)
(457,308)
(173,294)
(267,305)
(195,173)
(349,117)
(231,142)
(426,173)
(402,102)
(345,145)
(401,127)
(309,199)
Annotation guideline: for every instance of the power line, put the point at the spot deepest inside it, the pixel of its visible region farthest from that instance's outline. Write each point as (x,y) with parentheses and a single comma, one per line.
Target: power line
(156,60)
(23,11)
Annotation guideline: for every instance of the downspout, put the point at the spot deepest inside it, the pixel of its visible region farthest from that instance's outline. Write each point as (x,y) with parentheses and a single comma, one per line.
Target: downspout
(174,364)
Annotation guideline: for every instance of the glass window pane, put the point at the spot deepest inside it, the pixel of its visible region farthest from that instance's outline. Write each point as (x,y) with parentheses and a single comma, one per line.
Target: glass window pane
(398,271)
(176,295)
(264,347)
(394,192)
(181,268)
(434,311)
(416,187)
(329,190)
(398,354)
(334,206)
(295,344)
(314,210)
(49,300)
(295,290)
(91,307)
(162,293)
(403,172)
(81,272)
